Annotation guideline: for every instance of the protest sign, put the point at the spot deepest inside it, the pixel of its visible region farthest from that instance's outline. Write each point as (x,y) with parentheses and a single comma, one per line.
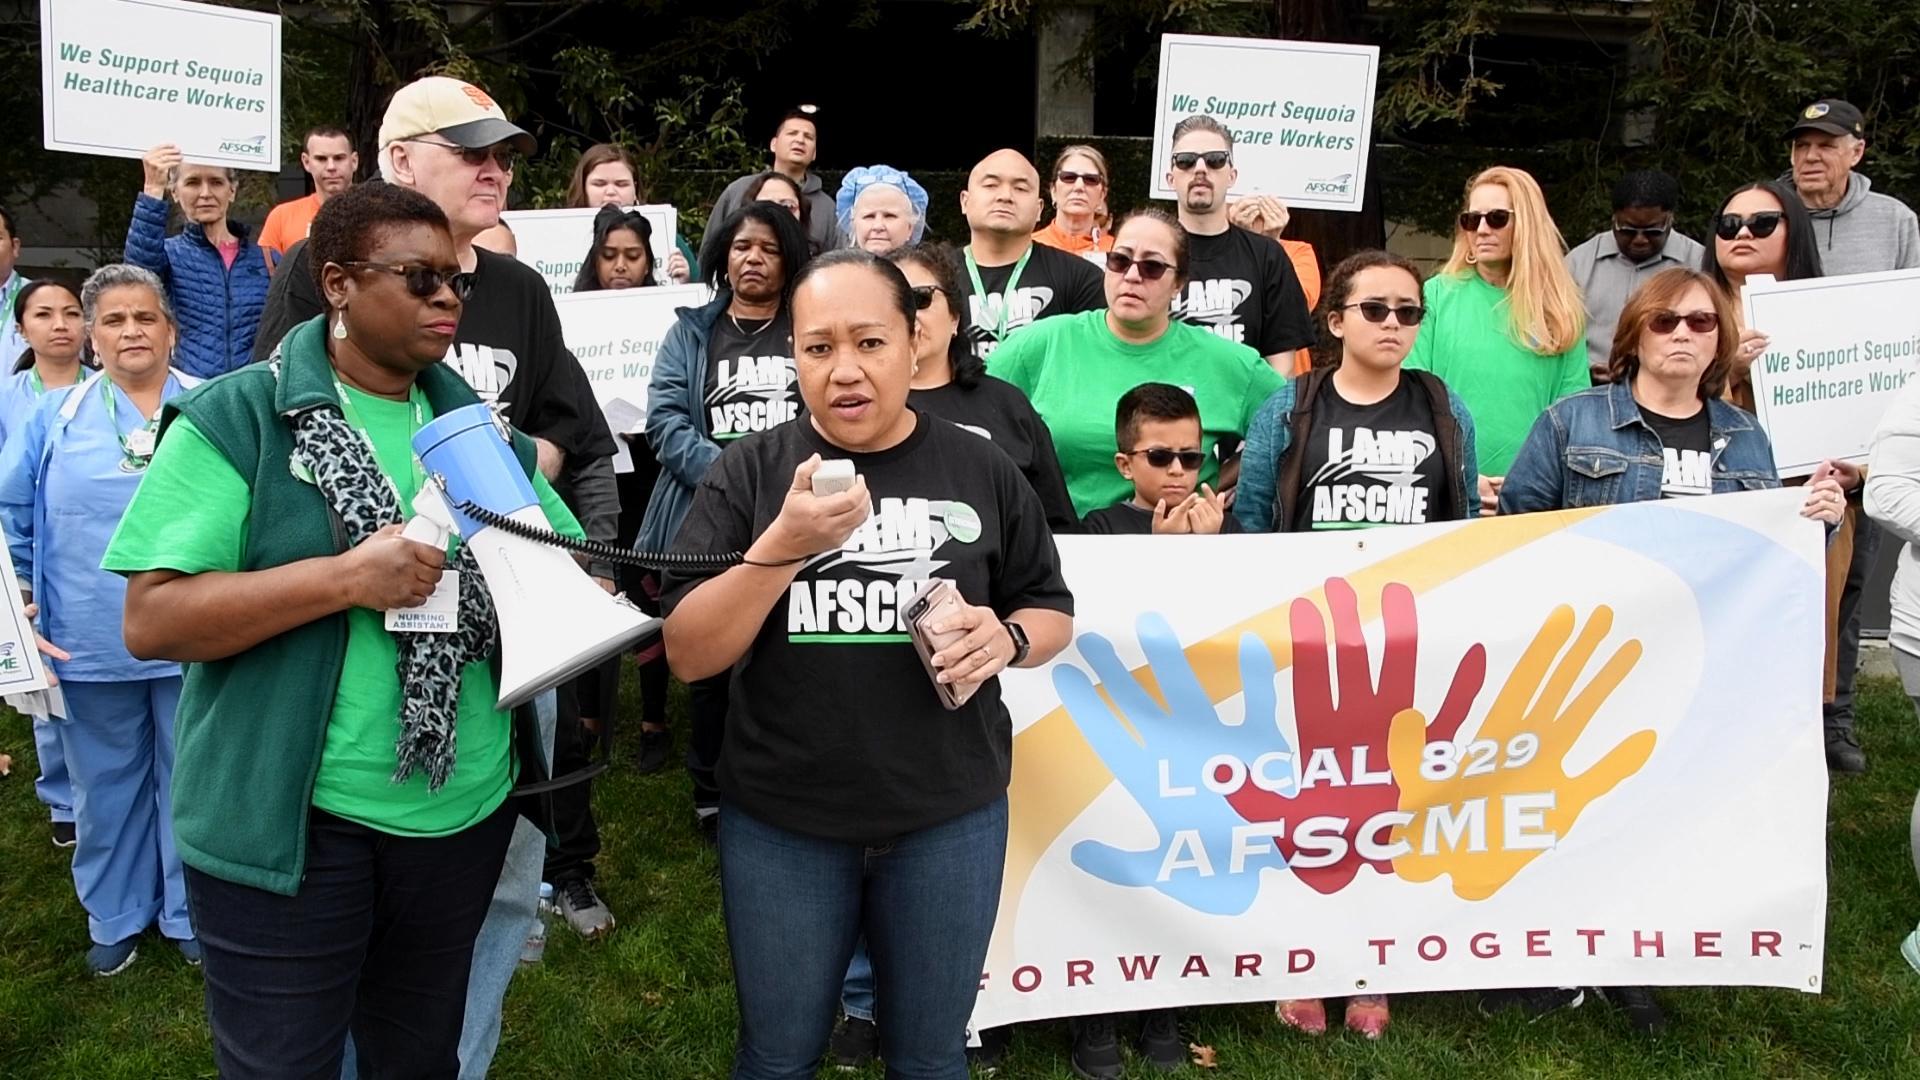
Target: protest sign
(555,242)
(118,77)
(1554,778)
(1839,348)
(21,669)
(615,335)
(1301,113)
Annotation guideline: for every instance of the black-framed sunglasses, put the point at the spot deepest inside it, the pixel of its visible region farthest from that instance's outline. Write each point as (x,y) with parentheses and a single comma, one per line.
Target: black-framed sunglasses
(1119,262)
(1495,219)
(1700,322)
(1654,232)
(1376,312)
(1160,457)
(502,154)
(1091,179)
(923,296)
(423,282)
(1215,159)
(1761,225)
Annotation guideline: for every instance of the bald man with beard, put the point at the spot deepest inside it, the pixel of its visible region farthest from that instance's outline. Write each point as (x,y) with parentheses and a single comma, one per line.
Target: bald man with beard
(1012,281)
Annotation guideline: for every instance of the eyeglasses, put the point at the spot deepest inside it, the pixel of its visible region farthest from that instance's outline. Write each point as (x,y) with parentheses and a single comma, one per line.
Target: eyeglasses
(1215,159)
(923,296)
(1761,225)
(1495,219)
(502,154)
(1091,179)
(1376,312)
(423,282)
(1630,231)
(1700,322)
(1119,262)
(1160,457)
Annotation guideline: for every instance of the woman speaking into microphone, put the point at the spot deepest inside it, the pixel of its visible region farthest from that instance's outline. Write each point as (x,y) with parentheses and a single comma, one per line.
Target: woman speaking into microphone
(852,802)
(343,812)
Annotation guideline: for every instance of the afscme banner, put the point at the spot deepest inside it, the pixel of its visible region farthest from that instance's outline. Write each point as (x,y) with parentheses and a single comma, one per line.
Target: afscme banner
(1567,749)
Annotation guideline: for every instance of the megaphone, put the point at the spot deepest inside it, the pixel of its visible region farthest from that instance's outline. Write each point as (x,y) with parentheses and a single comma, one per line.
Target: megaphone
(554,621)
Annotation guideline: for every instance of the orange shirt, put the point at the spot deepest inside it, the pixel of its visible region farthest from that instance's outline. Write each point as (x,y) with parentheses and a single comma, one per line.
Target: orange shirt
(287,223)
(1306,265)
(1074,245)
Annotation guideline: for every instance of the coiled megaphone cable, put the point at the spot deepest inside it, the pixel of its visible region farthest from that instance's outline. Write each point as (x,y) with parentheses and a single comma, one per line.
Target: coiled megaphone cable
(593,549)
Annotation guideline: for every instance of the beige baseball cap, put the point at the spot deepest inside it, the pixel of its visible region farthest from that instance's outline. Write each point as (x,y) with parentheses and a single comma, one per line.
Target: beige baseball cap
(461,112)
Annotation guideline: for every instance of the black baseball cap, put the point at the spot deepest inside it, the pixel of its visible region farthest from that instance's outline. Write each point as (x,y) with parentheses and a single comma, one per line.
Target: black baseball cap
(1831,115)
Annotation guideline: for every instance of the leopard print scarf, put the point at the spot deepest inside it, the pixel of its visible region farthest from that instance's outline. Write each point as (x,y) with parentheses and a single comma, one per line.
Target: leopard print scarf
(342,464)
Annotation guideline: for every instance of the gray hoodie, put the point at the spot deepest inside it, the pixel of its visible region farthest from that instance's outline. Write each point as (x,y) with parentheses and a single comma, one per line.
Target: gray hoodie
(823,230)
(1866,232)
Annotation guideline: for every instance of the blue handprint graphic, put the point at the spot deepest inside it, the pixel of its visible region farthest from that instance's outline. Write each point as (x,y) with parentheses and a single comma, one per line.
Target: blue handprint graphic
(1185,734)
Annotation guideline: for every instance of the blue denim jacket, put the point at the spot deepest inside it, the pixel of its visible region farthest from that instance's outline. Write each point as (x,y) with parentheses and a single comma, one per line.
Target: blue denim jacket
(1593,449)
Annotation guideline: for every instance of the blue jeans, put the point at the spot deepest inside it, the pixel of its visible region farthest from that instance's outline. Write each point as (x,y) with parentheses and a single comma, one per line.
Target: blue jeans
(795,906)
(856,992)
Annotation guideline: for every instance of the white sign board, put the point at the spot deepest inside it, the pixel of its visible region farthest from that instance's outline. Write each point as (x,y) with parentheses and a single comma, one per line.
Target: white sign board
(615,333)
(118,77)
(1301,113)
(21,669)
(1838,350)
(555,242)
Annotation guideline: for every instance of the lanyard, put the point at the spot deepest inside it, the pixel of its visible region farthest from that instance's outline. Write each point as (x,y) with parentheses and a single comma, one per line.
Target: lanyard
(414,398)
(138,447)
(12,290)
(1006,295)
(34,380)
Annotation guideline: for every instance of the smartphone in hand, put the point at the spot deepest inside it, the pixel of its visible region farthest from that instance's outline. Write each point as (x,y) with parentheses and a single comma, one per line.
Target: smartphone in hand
(936,600)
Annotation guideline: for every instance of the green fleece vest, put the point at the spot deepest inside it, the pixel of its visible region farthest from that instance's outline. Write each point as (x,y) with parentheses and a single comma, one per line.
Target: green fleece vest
(250,728)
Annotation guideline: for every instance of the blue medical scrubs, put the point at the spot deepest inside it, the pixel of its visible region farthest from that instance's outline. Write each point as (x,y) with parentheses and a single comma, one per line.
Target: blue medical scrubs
(66,477)
(19,393)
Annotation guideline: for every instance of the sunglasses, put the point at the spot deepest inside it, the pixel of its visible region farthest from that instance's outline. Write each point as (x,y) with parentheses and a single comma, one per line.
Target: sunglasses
(1120,262)
(1376,312)
(1495,219)
(1761,225)
(1700,322)
(1160,457)
(1091,179)
(923,296)
(1215,159)
(1653,233)
(423,282)
(502,154)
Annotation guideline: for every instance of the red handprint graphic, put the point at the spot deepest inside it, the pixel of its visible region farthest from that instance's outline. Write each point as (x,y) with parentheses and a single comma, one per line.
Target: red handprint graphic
(1353,723)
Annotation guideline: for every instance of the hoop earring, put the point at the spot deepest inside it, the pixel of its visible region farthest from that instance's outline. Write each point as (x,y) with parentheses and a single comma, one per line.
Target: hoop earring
(340,327)
(1472,258)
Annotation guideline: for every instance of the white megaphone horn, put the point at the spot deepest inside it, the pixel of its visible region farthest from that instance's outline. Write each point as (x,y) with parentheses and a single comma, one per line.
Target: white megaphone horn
(554,621)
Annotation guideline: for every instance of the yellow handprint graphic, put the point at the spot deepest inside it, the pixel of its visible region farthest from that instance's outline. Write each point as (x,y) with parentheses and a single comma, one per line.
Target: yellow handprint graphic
(1482,810)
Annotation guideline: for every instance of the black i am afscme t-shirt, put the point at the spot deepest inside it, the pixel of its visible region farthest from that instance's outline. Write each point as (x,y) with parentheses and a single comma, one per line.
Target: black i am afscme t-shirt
(833,729)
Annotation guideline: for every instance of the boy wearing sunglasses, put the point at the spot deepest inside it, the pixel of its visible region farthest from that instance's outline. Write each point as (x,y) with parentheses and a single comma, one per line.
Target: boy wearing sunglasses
(1157,427)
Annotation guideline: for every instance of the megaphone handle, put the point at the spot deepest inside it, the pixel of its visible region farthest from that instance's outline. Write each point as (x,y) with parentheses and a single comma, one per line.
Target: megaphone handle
(423,530)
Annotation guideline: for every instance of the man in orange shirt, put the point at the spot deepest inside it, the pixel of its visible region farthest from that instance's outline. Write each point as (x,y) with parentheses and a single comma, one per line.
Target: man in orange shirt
(327,155)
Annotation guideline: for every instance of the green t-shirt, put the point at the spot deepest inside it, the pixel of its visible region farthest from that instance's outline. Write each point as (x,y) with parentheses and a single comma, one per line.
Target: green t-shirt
(190,514)
(1075,371)
(1466,340)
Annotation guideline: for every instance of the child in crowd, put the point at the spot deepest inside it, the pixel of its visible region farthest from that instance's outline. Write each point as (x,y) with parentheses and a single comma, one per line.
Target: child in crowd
(1159,425)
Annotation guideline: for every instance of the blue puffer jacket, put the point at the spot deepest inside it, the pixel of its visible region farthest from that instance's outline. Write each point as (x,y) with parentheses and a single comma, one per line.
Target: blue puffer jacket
(218,308)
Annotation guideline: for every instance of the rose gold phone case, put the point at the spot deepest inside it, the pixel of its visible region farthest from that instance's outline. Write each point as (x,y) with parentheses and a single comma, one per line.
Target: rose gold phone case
(936,600)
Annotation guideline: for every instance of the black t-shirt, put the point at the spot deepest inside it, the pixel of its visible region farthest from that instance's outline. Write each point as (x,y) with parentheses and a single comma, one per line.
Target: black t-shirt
(1242,286)
(1685,444)
(997,411)
(1126,519)
(1371,465)
(1053,283)
(508,346)
(833,728)
(750,376)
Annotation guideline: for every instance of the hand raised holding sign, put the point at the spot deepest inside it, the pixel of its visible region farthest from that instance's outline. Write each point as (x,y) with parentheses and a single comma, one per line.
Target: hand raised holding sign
(159,166)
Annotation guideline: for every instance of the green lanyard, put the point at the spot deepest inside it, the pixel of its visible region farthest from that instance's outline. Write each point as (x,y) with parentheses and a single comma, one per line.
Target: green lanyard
(1006,295)
(34,380)
(137,457)
(13,290)
(419,402)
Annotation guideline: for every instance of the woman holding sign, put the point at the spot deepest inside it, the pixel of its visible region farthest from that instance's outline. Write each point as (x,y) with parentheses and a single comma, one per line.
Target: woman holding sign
(1506,327)
(215,274)
(66,477)
(605,176)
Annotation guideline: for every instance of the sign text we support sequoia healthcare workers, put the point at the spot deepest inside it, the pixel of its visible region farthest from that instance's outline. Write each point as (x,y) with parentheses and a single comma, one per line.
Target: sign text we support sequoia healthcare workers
(1430,758)
(1301,113)
(119,76)
(615,334)
(1839,349)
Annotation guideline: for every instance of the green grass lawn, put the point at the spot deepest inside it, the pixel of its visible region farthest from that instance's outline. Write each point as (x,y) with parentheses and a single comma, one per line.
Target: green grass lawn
(655,999)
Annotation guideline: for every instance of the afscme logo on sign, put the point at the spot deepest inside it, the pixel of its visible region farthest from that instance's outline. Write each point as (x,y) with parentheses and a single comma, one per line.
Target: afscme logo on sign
(1335,185)
(254,147)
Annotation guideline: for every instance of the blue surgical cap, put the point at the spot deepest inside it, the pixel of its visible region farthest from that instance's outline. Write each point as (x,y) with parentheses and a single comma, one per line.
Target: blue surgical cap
(860,179)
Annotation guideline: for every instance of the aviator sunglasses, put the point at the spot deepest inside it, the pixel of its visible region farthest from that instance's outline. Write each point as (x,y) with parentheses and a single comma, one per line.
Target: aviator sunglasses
(422,281)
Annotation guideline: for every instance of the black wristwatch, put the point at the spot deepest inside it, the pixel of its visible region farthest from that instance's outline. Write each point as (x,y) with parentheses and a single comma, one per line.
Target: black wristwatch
(1021,646)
